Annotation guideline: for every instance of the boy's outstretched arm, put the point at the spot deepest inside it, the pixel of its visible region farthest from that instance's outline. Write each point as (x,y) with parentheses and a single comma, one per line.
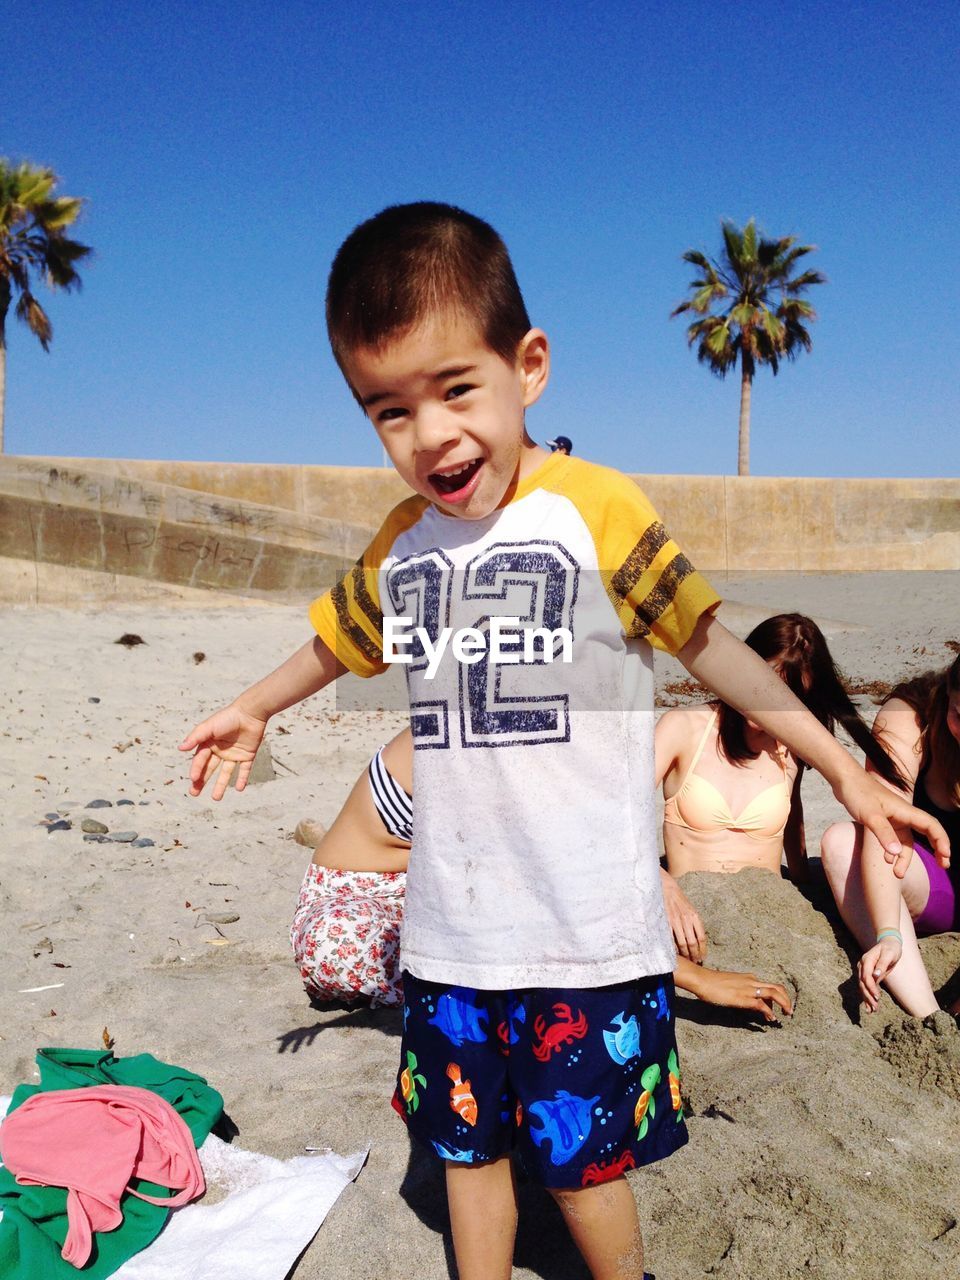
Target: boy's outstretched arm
(741,678)
(231,736)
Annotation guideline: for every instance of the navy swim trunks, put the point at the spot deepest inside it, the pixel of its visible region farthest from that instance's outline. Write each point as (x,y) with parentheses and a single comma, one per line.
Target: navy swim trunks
(582,1084)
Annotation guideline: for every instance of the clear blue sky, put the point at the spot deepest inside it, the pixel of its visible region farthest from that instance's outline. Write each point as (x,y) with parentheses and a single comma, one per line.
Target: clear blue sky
(226,150)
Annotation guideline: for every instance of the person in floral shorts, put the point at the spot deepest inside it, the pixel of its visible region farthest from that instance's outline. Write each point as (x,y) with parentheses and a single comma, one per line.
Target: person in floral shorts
(346,929)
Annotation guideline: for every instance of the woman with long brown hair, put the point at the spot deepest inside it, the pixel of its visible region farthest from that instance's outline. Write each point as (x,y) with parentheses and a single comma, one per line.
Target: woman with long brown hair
(919,725)
(731,792)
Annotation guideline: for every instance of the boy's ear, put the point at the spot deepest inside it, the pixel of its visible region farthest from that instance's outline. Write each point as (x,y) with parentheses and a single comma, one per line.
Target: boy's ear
(533,362)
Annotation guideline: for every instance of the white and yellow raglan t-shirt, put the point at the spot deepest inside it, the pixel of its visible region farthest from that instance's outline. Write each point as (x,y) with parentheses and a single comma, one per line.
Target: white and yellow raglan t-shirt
(534,858)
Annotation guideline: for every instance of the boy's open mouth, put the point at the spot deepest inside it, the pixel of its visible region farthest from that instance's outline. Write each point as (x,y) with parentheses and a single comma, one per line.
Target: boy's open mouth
(454,482)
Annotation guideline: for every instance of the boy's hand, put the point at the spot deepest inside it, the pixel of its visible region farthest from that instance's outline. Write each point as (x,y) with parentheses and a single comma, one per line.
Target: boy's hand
(874,966)
(890,817)
(688,931)
(229,738)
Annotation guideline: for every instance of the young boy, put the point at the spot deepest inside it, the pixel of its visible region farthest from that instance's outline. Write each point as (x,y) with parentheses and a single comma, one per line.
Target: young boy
(536,955)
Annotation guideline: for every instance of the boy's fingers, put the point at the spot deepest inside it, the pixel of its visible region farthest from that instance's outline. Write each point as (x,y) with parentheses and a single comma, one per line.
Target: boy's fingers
(928,826)
(883,830)
(243,773)
(223,778)
(198,766)
(899,861)
(197,735)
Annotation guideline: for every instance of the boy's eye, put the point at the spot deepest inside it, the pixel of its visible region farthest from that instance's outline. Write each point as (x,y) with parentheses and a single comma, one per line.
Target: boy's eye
(459,390)
(390,415)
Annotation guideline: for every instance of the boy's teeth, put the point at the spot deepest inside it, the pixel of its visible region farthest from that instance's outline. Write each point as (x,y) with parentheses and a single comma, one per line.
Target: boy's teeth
(450,481)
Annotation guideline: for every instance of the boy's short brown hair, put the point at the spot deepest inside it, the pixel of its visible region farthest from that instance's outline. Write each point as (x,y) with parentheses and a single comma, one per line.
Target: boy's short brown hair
(411,261)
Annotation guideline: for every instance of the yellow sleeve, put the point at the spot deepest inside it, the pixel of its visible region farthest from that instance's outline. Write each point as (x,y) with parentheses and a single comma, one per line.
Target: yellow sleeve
(653,587)
(348,618)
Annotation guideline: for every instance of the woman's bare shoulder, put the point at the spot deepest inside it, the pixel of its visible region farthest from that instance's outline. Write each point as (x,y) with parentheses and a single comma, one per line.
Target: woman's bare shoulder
(898,729)
(898,719)
(689,719)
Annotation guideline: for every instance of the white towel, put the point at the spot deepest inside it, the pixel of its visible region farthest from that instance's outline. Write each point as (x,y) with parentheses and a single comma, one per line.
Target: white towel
(272,1211)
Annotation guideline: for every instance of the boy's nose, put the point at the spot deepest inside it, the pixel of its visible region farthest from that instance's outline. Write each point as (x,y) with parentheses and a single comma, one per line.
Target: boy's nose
(435,429)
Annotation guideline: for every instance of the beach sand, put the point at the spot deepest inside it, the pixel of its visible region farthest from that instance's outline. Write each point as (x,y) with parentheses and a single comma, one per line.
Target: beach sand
(825,1147)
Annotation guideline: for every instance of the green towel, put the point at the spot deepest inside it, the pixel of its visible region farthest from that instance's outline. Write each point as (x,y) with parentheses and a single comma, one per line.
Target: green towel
(34,1224)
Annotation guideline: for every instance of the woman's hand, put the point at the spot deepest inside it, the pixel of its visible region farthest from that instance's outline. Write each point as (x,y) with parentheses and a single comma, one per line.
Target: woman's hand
(735,990)
(688,931)
(873,967)
(228,739)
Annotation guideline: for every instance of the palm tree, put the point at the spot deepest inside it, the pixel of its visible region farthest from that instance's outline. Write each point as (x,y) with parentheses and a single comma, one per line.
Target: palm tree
(763,317)
(32,240)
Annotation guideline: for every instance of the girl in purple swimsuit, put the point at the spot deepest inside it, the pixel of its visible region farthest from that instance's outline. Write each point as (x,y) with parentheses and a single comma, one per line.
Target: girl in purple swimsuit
(919,724)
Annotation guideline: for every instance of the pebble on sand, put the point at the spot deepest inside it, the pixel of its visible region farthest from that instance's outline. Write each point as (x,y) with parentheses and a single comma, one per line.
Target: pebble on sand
(123,837)
(309,832)
(100,804)
(94,828)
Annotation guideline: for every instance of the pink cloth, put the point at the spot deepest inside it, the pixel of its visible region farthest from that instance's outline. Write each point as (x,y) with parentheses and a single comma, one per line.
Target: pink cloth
(93,1142)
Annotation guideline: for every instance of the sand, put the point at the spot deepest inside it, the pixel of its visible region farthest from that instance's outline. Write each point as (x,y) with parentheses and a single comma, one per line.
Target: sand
(825,1147)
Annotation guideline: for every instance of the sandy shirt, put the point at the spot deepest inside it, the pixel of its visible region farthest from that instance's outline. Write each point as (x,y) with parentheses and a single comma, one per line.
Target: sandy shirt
(534,857)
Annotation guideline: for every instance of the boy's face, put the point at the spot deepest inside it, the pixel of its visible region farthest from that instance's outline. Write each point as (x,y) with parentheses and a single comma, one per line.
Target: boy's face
(449,411)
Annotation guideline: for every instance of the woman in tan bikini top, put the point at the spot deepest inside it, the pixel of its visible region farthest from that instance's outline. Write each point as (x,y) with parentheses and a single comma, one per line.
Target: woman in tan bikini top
(731,792)
(709,836)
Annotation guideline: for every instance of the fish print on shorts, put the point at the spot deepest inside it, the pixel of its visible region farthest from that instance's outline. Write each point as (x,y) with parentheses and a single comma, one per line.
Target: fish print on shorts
(623,1039)
(565,1121)
(462,1100)
(459,1018)
(451,1153)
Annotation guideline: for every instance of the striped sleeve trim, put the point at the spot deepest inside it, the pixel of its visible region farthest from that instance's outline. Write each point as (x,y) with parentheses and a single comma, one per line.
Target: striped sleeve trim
(351,628)
(348,618)
(365,601)
(338,626)
(656,592)
(623,582)
(652,607)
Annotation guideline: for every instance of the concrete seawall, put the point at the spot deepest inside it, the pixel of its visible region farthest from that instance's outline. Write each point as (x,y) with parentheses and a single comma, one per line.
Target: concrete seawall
(85,528)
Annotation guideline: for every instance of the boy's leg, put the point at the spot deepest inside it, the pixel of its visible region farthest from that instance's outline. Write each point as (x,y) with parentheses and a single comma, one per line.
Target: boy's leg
(597,1076)
(482,1200)
(604,1225)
